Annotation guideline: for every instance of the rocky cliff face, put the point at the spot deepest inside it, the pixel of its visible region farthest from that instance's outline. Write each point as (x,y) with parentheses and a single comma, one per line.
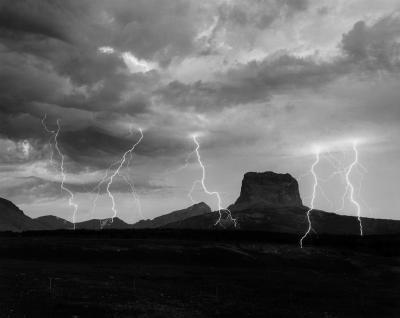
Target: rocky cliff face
(268,189)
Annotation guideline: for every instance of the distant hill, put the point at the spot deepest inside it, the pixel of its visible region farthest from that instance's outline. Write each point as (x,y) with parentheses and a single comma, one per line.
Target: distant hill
(51,222)
(268,201)
(13,219)
(98,224)
(173,217)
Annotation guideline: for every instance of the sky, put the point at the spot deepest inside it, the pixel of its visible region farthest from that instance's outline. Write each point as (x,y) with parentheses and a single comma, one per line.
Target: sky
(263,84)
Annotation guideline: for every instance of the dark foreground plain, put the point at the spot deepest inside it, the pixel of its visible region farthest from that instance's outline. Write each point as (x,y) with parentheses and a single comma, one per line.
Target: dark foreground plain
(171,273)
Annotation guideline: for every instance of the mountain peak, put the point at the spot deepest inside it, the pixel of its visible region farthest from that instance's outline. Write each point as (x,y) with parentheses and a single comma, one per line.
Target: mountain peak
(268,189)
(13,219)
(7,204)
(175,216)
(200,205)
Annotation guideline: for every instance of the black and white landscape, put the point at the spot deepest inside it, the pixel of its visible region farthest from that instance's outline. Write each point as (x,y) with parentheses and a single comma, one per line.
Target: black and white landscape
(217,158)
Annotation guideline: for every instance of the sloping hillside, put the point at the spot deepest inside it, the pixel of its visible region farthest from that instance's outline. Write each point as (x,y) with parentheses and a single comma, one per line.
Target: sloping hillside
(13,219)
(173,217)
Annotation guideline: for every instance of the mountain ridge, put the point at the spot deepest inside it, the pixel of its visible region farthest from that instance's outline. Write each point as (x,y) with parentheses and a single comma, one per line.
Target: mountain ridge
(282,210)
(175,216)
(268,201)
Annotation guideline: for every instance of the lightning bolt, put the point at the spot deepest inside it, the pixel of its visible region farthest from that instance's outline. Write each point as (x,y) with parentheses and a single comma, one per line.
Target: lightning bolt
(314,193)
(346,173)
(204,187)
(55,134)
(350,186)
(98,187)
(134,194)
(71,202)
(130,183)
(52,132)
(117,171)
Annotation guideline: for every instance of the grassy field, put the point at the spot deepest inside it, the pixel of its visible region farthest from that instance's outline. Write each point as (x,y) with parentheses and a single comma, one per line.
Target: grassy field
(197,274)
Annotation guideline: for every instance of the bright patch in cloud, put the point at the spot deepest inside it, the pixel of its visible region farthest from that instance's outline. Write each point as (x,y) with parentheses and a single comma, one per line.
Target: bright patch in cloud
(136,65)
(106,49)
(26,147)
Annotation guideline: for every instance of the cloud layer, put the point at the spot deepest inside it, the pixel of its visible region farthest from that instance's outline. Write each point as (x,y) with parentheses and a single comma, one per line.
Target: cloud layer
(261,82)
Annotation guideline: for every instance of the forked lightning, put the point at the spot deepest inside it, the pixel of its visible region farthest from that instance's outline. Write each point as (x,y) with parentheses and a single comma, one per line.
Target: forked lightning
(71,202)
(117,171)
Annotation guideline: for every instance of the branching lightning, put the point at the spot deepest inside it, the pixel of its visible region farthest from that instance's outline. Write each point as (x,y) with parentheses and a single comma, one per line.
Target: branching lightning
(128,181)
(223,213)
(134,194)
(314,193)
(117,171)
(345,172)
(221,210)
(55,134)
(98,187)
(350,189)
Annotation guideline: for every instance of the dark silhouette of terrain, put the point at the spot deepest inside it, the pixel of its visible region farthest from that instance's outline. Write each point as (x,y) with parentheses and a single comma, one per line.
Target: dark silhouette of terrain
(96,224)
(197,273)
(176,216)
(271,202)
(13,219)
(268,189)
(182,265)
(268,201)
(50,222)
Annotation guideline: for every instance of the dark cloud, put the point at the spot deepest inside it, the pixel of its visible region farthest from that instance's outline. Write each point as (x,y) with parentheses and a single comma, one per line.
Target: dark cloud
(93,147)
(376,46)
(246,75)
(30,189)
(240,21)
(154,29)
(260,14)
(50,64)
(254,82)
(36,18)
(205,96)
(25,79)
(364,49)
(50,51)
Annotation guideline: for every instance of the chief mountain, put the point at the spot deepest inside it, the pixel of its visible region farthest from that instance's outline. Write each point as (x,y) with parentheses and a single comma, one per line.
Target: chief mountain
(267,202)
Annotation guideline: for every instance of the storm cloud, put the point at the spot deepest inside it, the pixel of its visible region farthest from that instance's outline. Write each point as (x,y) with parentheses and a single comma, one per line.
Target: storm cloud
(257,79)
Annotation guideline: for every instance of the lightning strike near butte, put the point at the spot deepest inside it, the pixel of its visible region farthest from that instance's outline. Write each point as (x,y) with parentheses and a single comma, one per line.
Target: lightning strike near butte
(71,202)
(314,192)
(350,185)
(349,189)
(202,181)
